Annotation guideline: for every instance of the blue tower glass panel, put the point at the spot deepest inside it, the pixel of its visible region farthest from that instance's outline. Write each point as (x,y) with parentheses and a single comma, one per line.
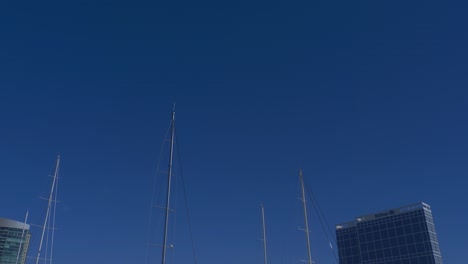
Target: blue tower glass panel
(404,235)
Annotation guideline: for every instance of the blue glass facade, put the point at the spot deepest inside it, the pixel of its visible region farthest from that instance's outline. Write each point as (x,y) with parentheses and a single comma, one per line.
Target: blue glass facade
(14,241)
(404,235)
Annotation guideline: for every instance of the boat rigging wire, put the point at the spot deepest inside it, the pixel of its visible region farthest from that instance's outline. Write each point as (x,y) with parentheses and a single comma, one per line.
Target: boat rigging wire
(323,221)
(186,201)
(153,200)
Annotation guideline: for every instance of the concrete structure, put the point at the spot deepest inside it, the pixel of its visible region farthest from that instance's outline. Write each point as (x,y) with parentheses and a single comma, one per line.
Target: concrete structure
(13,241)
(404,235)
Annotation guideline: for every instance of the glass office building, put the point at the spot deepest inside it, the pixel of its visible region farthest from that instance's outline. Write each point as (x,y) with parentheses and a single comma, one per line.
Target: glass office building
(14,240)
(404,235)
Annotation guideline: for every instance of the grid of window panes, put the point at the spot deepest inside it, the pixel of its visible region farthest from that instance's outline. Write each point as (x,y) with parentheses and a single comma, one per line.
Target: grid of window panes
(401,238)
(348,246)
(433,238)
(10,242)
(404,238)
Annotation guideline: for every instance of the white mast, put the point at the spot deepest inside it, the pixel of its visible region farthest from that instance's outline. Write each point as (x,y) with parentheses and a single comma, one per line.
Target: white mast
(264,235)
(168,197)
(48,208)
(22,237)
(301,177)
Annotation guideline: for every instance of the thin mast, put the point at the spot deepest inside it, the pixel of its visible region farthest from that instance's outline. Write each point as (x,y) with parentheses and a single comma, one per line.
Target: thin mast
(264,235)
(168,197)
(48,208)
(22,236)
(53,220)
(301,177)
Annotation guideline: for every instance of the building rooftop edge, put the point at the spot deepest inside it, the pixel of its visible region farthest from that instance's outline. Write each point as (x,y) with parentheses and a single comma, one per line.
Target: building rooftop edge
(5,222)
(363,218)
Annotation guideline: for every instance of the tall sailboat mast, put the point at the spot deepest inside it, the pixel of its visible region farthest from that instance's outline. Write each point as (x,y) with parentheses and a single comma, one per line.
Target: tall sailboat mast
(49,206)
(22,237)
(168,197)
(264,235)
(301,177)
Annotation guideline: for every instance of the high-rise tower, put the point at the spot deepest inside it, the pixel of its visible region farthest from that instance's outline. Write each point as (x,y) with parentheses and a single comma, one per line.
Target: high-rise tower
(398,236)
(14,241)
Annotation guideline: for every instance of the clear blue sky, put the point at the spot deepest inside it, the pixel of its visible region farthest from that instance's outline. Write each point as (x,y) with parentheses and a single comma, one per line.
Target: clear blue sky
(368,97)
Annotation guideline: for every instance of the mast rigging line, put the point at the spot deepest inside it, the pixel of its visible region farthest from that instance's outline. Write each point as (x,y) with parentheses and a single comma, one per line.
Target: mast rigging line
(323,221)
(53,219)
(153,194)
(22,236)
(314,200)
(264,235)
(168,194)
(186,201)
(48,211)
(173,227)
(306,222)
(173,174)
